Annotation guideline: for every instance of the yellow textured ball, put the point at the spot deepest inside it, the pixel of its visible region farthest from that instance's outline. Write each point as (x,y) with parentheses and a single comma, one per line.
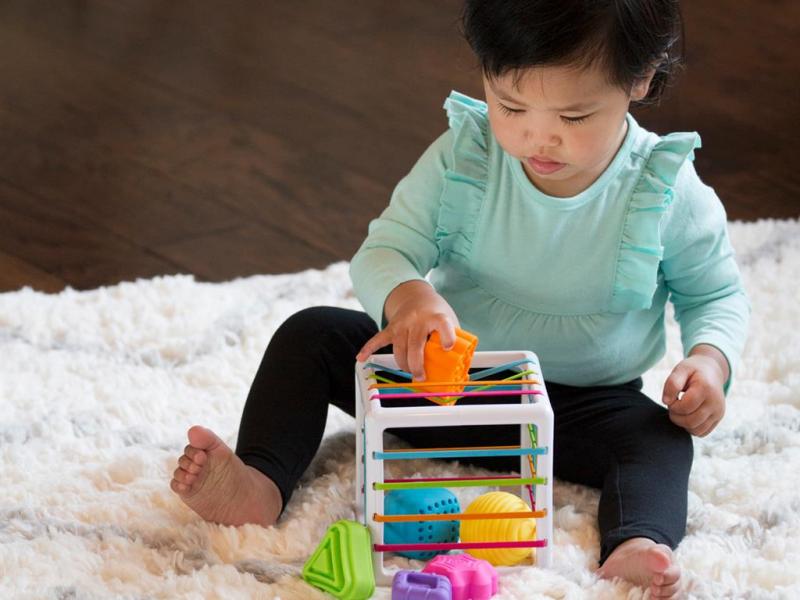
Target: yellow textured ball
(499,530)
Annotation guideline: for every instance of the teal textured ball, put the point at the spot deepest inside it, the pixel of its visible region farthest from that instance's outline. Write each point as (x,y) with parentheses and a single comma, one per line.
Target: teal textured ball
(422,502)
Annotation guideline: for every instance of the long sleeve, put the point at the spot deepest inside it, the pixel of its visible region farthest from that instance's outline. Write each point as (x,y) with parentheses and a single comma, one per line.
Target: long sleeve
(401,244)
(700,271)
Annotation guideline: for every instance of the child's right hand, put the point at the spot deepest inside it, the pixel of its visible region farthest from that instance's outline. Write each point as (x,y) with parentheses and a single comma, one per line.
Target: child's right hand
(413,310)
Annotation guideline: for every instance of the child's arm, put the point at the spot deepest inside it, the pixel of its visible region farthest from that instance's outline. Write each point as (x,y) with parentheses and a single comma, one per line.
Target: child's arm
(413,310)
(710,304)
(389,269)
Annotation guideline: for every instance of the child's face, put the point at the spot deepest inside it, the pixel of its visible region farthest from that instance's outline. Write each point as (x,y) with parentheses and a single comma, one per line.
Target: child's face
(564,124)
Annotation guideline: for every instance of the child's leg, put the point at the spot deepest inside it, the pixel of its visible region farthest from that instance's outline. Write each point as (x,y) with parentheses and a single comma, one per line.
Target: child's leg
(308,364)
(619,440)
(314,350)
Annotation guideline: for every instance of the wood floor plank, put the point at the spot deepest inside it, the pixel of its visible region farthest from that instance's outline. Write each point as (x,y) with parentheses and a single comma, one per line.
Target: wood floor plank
(15,272)
(302,194)
(189,189)
(199,139)
(132,201)
(340,75)
(327,95)
(739,92)
(78,152)
(253,245)
(55,241)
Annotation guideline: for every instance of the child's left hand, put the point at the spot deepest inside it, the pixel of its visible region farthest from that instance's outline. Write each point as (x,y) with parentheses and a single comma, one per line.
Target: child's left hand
(701,378)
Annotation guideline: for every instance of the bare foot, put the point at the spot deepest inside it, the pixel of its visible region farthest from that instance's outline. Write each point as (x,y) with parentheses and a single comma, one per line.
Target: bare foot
(644,563)
(219,487)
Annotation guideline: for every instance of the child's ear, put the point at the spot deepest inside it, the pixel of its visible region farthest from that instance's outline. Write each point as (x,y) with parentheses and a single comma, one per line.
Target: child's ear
(642,86)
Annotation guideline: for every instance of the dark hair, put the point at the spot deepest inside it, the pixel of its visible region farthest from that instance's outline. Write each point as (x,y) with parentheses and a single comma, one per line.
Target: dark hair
(626,37)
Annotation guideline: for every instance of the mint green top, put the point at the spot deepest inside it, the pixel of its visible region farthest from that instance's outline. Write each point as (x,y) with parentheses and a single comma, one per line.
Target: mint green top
(581,281)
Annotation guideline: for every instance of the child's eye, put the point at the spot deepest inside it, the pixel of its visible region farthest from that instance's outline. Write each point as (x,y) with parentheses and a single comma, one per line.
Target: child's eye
(509,111)
(575,120)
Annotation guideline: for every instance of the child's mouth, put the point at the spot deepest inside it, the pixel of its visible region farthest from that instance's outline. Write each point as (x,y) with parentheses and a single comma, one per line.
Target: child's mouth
(544,167)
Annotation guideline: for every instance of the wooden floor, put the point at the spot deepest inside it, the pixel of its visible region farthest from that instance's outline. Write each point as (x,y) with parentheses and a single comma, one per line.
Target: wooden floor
(231,138)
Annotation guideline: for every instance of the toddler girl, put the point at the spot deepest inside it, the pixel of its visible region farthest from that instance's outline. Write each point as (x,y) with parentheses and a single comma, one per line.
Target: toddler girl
(544,218)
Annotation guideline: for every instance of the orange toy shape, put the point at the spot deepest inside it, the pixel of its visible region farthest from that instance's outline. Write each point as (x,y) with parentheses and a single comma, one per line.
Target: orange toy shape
(450,366)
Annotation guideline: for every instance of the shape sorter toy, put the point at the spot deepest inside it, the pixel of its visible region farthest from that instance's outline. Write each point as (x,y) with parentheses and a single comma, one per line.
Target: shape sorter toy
(470,578)
(413,585)
(341,564)
(386,398)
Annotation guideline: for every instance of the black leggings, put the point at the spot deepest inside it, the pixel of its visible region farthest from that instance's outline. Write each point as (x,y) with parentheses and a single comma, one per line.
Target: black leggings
(609,437)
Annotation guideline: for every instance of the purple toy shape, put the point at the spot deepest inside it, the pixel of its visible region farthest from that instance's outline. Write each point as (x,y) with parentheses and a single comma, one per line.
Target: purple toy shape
(470,578)
(411,585)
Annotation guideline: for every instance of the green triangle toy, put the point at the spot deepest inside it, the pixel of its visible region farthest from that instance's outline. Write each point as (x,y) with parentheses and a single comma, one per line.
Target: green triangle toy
(342,563)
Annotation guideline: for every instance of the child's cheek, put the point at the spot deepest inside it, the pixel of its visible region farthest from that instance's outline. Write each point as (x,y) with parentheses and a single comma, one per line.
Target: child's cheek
(591,146)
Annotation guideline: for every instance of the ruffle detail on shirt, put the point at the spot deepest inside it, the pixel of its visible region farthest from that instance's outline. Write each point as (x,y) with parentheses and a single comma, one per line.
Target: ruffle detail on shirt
(640,249)
(465,181)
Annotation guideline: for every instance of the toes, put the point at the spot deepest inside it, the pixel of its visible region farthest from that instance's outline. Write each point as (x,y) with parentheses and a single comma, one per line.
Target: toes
(196,454)
(178,487)
(671,575)
(658,559)
(184,476)
(666,584)
(187,464)
(203,438)
(665,591)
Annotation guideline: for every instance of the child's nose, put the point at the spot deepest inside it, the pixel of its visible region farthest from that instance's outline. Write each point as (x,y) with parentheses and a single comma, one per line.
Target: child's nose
(541,137)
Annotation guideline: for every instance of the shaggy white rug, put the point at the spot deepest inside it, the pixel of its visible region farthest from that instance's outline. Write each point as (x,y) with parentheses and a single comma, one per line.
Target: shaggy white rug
(98,388)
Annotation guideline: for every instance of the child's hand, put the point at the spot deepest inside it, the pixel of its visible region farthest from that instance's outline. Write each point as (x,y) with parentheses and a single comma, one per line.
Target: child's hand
(413,310)
(701,378)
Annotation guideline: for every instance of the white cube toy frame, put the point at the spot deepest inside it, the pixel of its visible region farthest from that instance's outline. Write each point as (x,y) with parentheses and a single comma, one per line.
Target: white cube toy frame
(372,420)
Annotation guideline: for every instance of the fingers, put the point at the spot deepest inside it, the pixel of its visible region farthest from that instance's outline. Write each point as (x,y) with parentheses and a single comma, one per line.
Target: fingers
(447,332)
(391,336)
(375,343)
(418,337)
(698,411)
(688,410)
(416,353)
(408,336)
(676,383)
(694,396)
(689,401)
(693,421)
(706,427)
(400,349)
